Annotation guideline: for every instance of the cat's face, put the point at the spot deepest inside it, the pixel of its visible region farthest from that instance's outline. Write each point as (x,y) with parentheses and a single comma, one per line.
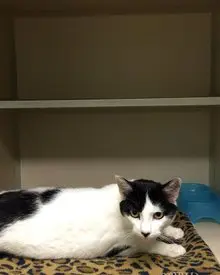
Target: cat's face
(148,205)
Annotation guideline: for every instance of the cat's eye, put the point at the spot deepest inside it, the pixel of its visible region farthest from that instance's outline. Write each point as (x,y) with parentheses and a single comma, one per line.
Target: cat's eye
(158,215)
(134,214)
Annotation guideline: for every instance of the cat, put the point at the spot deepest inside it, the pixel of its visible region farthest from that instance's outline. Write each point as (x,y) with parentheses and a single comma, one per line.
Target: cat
(119,219)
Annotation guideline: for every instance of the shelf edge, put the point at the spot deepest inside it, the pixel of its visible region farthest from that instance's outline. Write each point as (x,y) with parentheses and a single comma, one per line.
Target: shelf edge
(111,103)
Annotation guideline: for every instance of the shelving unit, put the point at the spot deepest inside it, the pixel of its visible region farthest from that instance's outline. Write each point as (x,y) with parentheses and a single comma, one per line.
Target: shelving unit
(140,80)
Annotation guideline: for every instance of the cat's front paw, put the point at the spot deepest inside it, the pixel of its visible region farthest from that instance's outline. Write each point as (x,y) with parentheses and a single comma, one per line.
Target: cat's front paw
(177,233)
(175,250)
(173,232)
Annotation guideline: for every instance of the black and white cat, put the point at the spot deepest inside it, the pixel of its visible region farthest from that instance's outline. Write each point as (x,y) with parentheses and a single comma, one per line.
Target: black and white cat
(119,219)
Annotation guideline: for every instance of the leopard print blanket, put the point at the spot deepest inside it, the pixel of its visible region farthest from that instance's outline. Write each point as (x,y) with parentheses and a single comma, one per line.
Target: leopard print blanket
(199,260)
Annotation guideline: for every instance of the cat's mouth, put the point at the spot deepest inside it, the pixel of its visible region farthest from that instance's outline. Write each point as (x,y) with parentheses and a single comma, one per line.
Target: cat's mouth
(150,236)
(146,236)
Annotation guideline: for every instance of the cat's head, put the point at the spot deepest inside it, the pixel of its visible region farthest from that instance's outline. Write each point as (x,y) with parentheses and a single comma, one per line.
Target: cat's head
(150,206)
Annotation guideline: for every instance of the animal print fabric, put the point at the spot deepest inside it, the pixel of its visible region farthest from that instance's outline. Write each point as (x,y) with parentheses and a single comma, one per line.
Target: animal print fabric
(199,260)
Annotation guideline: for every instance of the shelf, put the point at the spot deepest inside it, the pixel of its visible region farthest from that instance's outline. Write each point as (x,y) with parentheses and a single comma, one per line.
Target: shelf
(79,7)
(111,103)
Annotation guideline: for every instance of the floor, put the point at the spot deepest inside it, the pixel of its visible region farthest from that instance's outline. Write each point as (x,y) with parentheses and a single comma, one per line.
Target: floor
(210,233)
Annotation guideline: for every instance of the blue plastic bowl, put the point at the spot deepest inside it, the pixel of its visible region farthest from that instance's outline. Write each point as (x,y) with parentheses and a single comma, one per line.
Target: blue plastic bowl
(196,192)
(199,202)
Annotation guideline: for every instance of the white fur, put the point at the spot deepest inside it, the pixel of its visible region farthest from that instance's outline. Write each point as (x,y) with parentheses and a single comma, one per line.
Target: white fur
(176,233)
(147,224)
(171,250)
(85,223)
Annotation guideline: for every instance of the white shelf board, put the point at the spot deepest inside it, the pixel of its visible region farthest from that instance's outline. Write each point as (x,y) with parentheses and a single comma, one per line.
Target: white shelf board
(110,103)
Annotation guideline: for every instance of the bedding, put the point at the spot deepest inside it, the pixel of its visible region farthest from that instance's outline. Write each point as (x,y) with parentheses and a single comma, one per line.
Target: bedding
(199,260)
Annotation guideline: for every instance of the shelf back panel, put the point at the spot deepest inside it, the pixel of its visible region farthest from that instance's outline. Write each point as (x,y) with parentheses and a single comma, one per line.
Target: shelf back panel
(85,148)
(100,7)
(6,56)
(113,56)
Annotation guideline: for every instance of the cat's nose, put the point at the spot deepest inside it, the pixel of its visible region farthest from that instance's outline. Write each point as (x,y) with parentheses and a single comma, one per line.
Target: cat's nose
(145,234)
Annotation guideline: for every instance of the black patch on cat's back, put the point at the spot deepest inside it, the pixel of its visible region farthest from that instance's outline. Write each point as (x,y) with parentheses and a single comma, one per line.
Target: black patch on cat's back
(48,195)
(16,205)
(19,205)
(116,251)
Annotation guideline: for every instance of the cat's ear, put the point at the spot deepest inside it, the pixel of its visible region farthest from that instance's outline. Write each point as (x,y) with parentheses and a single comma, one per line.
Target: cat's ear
(171,189)
(123,185)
